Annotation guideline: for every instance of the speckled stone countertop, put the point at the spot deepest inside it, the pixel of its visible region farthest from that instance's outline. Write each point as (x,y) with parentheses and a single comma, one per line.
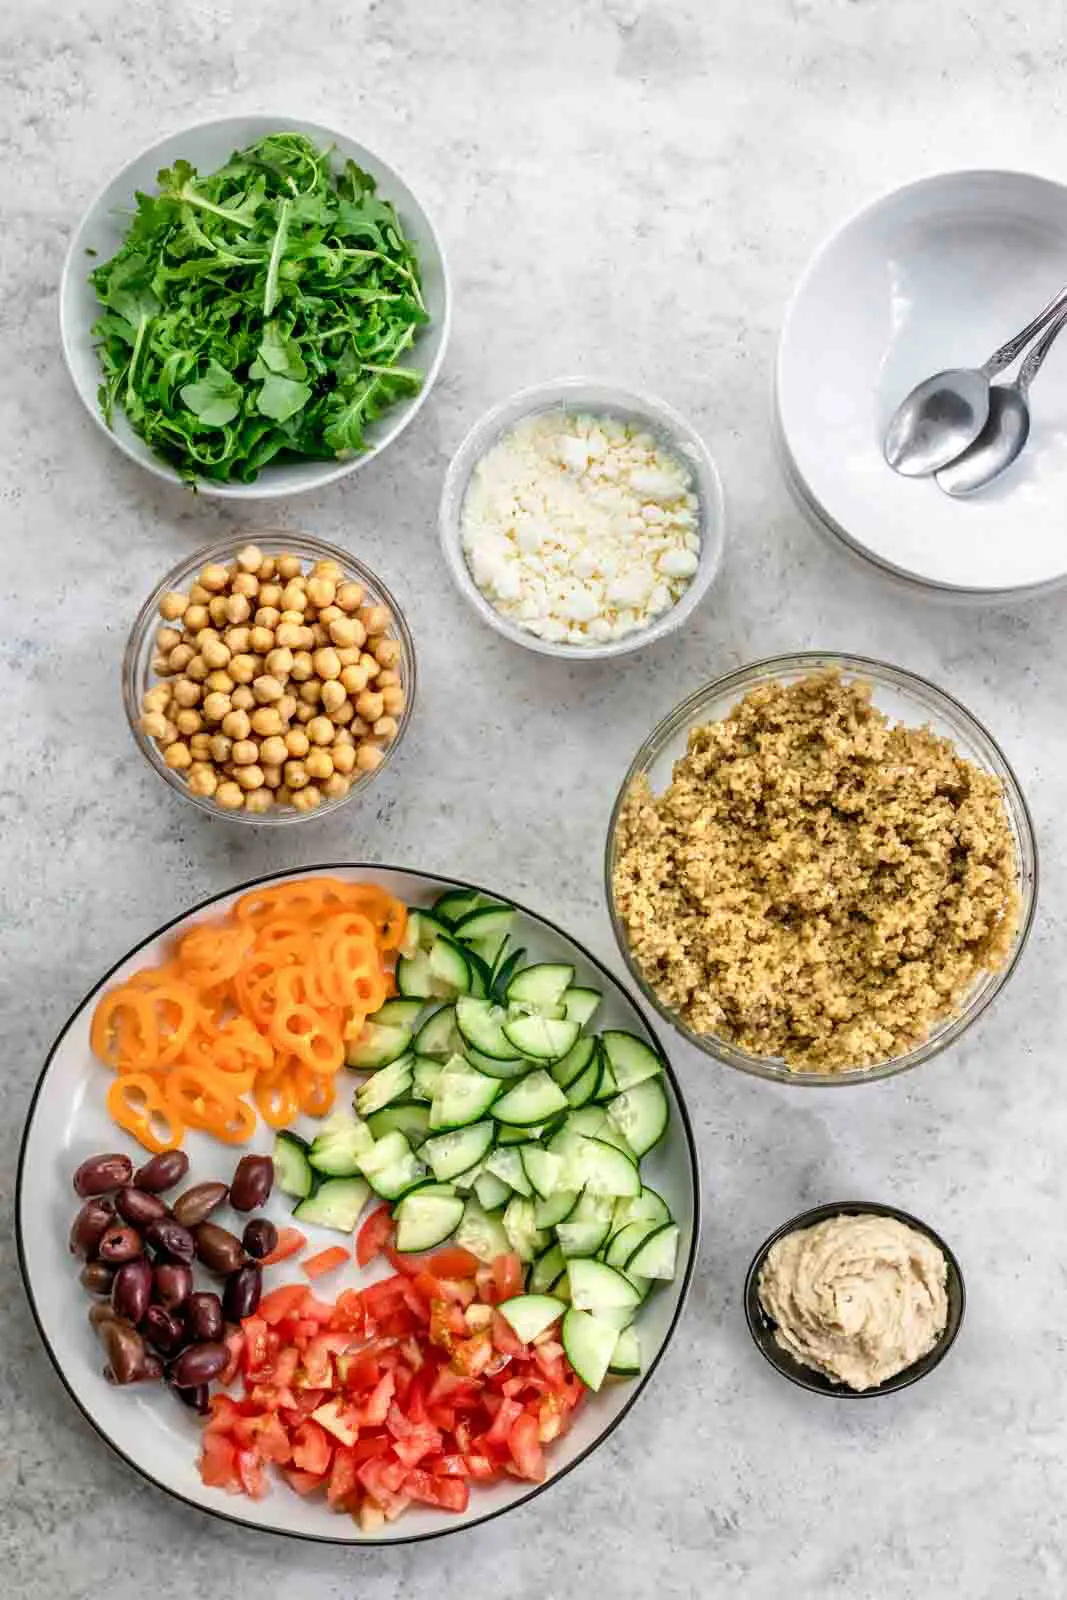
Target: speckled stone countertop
(628,189)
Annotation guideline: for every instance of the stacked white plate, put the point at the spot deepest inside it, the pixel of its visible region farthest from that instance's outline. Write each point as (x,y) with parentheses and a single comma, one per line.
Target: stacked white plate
(936,275)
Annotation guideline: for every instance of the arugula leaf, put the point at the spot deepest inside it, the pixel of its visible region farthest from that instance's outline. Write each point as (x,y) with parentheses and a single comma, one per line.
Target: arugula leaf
(278,353)
(215,398)
(362,401)
(281,398)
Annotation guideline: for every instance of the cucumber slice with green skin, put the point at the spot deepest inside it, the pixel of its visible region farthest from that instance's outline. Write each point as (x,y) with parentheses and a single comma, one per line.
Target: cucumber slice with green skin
(547,1213)
(547,1270)
(491,1192)
(378,1045)
(649,1206)
(438,1038)
(293,1172)
(582,1089)
(482,1233)
(493,1067)
(540,988)
(452,906)
(596,1124)
(441,972)
(641,1115)
(485,929)
(460,1098)
(507,1134)
(504,970)
(607,1088)
(338,1150)
(541,1038)
(622,1244)
(626,1356)
(594,1285)
(465,1181)
(397,1013)
(532,1100)
(481,1024)
(391,1167)
(602,1169)
(425,1220)
(531,1314)
(452,1153)
(544,1170)
(655,1256)
(589,1345)
(481,972)
(526,1239)
(388,1084)
(335,1204)
(425,1074)
(581,1237)
(421,932)
(571,1066)
(580,1005)
(618,1317)
(404,1116)
(505,1163)
(632,1060)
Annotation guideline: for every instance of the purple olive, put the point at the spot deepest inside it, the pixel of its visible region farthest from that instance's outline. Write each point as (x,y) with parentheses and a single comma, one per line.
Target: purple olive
(240,1298)
(173,1283)
(96,1276)
(260,1237)
(198,1364)
(119,1245)
(252,1182)
(139,1207)
(196,1204)
(219,1250)
(198,1399)
(163,1171)
(92,1222)
(203,1317)
(102,1174)
(151,1369)
(125,1351)
(132,1289)
(171,1240)
(165,1329)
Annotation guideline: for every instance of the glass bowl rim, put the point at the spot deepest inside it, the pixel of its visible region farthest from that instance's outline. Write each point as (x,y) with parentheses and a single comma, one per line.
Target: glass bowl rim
(771,1068)
(148,617)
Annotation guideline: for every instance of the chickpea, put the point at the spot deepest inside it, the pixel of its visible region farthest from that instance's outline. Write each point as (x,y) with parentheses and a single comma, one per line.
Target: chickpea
(296,775)
(237,640)
(273,751)
(272,777)
(295,619)
(336,786)
(373,667)
(343,736)
(188,722)
(302,666)
(386,652)
(230,796)
(349,596)
(267,569)
(368,757)
(259,800)
(347,631)
(266,721)
(169,735)
(319,636)
(196,617)
(220,748)
(219,683)
(238,608)
(333,695)
(348,655)
(326,663)
(178,755)
(287,707)
(180,657)
(157,698)
(311,692)
(214,652)
(244,752)
(386,728)
(161,667)
(393,701)
(319,763)
(297,742)
(173,605)
(186,693)
(328,568)
(203,779)
(321,591)
(388,678)
(200,747)
(294,598)
(267,617)
(320,730)
(342,714)
(246,585)
(250,558)
(214,577)
(289,635)
(216,610)
(261,639)
(344,757)
(250,776)
(267,689)
(303,713)
(289,566)
(237,725)
(153,725)
(375,619)
(216,706)
(282,797)
(242,669)
(354,679)
(242,698)
(280,663)
(306,799)
(358,729)
(330,613)
(270,594)
(370,705)
(167,639)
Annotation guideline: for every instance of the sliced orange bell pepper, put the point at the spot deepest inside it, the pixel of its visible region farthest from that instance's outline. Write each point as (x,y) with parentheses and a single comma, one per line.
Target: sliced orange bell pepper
(136,1102)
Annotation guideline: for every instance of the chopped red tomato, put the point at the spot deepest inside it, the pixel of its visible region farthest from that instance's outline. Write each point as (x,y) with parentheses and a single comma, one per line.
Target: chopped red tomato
(374,1235)
(525,1445)
(290,1242)
(507,1276)
(311,1447)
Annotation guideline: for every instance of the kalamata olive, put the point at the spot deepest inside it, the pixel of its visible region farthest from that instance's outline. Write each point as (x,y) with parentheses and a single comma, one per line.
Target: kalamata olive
(198,1364)
(139,1207)
(165,1329)
(96,1276)
(219,1249)
(252,1182)
(260,1237)
(151,1369)
(198,1399)
(132,1289)
(197,1203)
(89,1226)
(162,1172)
(101,1174)
(119,1245)
(171,1239)
(100,1314)
(172,1283)
(243,1289)
(203,1317)
(125,1351)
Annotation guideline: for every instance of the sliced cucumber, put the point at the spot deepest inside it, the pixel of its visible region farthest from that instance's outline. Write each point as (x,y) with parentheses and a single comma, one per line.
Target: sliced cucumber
(406,1116)
(438,1037)
(622,1244)
(481,972)
(421,932)
(589,1344)
(544,1170)
(482,1233)
(481,1024)
(504,970)
(541,1038)
(530,1314)
(632,1060)
(582,1236)
(533,1099)
(425,1219)
(547,1269)
(618,1317)
(602,1169)
(626,1356)
(574,1063)
(580,1005)
(494,1067)
(655,1256)
(506,1164)
(594,1285)
(556,1209)
(452,1153)
(338,1150)
(540,988)
(390,1166)
(582,1088)
(607,1087)
(425,1074)
(388,1084)
(292,1170)
(440,972)
(452,906)
(526,1239)
(649,1206)
(377,1045)
(485,929)
(509,1134)
(461,1097)
(641,1115)
(336,1204)
(491,1192)
(397,1013)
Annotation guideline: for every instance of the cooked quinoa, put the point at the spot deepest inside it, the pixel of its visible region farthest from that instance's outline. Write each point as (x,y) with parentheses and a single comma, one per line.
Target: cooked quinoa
(817,883)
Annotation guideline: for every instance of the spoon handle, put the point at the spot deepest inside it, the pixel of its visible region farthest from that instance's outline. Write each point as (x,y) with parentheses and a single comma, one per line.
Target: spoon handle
(1032,365)
(1007,353)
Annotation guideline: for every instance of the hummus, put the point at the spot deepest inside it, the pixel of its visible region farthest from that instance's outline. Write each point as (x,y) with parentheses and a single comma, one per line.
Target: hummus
(858,1298)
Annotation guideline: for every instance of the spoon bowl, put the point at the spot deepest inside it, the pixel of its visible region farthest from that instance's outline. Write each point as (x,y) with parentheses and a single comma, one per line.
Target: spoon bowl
(937,421)
(1005,433)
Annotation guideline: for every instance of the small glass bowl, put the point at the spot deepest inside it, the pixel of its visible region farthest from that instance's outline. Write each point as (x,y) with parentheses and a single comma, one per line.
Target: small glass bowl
(588,396)
(903,697)
(138,678)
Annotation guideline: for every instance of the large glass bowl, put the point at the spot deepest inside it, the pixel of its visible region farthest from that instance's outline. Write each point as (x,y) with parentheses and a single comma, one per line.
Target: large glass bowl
(902,697)
(138,677)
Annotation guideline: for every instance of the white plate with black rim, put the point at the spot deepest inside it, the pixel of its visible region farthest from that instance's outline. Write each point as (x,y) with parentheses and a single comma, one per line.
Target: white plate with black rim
(144,1424)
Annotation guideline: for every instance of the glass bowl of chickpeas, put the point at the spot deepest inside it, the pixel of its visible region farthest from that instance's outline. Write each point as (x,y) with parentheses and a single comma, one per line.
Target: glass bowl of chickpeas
(269,679)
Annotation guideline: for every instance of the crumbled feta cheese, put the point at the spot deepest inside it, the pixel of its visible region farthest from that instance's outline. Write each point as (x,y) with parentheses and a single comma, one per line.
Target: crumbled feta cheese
(580,528)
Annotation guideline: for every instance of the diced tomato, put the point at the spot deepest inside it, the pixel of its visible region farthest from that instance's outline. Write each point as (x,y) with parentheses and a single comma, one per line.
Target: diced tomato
(507,1414)
(349,1314)
(371,1445)
(471,1356)
(376,1408)
(303,1482)
(250,1472)
(448,1466)
(328,1260)
(505,1339)
(282,1302)
(450,1493)
(272,1441)
(218,1463)
(507,1276)
(453,1262)
(340,1421)
(311,1448)
(234,1342)
(451,1386)
(384,1297)
(290,1241)
(480,1468)
(374,1235)
(358,1372)
(525,1445)
(408,1266)
(381,1478)
(257,1350)
(343,1480)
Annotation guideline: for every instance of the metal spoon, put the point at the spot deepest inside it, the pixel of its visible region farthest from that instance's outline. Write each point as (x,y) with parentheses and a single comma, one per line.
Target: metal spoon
(941,417)
(1007,426)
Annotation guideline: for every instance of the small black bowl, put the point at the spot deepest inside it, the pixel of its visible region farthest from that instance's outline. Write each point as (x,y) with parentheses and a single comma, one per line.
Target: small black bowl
(762,1327)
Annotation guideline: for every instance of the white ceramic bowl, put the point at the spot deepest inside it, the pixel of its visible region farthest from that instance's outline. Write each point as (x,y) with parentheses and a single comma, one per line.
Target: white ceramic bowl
(935,275)
(159,1438)
(604,399)
(207,145)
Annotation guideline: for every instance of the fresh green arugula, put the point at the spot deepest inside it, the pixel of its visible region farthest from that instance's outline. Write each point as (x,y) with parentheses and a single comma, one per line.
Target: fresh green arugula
(258,313)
